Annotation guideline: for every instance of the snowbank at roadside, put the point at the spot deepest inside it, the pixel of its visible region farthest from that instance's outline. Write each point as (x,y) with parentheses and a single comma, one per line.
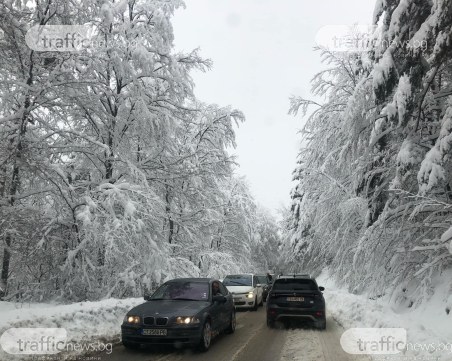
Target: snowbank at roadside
(85,322)
(429,327)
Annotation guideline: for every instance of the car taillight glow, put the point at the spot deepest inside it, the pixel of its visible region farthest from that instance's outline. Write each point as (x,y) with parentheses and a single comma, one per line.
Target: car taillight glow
(319,313)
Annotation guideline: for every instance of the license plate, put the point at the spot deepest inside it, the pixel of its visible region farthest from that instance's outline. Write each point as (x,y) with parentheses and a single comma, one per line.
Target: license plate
(295,299)
(154,332)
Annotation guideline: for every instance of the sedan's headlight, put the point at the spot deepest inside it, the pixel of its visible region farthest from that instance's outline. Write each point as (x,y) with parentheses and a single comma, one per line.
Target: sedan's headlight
(250,295)
(132,319)
(187,320)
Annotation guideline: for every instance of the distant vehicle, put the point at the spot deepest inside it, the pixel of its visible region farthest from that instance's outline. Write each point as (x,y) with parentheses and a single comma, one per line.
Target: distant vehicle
(246,290)
(296,297)
(266,285)
(182,312)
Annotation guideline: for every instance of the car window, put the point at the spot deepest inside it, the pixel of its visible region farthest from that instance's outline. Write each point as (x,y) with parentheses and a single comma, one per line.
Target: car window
(196,291)
(238,280)
(262,279)
(295,284)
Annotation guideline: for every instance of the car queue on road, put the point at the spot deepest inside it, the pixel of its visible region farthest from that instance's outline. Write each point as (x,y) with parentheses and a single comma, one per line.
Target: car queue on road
(192,311)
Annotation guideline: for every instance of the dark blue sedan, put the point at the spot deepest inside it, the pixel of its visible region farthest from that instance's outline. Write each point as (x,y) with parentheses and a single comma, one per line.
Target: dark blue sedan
(185,311)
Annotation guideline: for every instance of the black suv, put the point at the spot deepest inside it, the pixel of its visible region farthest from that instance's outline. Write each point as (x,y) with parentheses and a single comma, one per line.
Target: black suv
(296,297)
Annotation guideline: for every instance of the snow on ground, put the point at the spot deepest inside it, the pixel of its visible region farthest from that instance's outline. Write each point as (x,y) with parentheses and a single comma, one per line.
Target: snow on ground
(85,322)
(429,327)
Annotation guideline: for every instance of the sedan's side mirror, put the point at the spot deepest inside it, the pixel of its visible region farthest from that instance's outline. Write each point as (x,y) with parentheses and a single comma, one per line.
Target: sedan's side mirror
(147,297)
(219,298)
(322,288)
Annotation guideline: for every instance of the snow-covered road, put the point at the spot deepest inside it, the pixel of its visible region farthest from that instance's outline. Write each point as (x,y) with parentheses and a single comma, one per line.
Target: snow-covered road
(253,341)
(307,344)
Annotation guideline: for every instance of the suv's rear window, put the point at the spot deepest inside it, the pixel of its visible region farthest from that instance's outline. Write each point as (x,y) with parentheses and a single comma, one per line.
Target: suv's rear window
(294,284)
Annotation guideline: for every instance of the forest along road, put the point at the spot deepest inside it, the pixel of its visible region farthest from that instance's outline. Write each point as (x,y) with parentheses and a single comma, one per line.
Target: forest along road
(252,341)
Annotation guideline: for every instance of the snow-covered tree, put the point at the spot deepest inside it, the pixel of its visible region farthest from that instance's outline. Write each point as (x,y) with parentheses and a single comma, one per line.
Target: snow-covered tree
(113,177)
(373,197)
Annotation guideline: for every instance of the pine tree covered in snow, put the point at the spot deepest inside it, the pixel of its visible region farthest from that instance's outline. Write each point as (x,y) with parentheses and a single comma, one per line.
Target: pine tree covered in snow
(373,198)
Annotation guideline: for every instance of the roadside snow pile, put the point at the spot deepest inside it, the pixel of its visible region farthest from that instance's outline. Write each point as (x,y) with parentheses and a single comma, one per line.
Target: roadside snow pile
(429,331)
(84,322)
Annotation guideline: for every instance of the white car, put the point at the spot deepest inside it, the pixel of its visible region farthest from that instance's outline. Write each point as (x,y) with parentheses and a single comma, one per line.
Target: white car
(246,290)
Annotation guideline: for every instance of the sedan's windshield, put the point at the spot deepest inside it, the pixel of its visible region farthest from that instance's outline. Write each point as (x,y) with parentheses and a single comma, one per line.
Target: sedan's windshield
(238,280)
(191,291)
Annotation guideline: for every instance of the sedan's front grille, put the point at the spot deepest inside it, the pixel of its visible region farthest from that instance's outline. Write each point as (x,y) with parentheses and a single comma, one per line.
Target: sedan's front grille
(161,321)
(155,321)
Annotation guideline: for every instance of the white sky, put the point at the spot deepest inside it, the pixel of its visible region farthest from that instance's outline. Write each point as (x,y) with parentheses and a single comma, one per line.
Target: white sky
(262,54)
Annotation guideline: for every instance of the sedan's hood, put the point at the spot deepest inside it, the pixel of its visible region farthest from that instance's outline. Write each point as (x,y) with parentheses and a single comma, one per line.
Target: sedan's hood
(240,289)
(168,308)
